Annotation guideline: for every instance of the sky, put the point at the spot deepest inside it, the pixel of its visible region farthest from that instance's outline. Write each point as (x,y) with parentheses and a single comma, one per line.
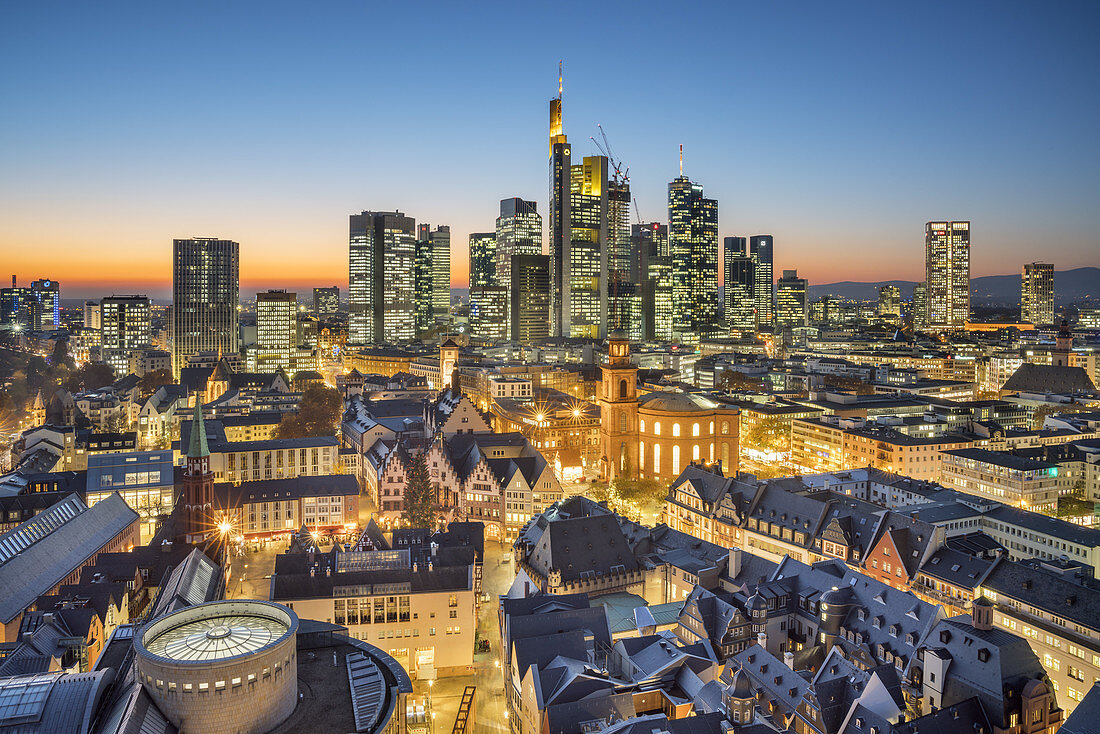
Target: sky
(839,127)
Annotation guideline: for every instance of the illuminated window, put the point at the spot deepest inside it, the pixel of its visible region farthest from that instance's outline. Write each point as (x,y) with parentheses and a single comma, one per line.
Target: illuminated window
(675,429)
(656,458)
(675,459)
(656,428)
(695,429)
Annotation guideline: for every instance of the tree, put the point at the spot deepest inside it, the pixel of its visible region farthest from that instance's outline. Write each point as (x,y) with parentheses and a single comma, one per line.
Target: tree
(90,376)
(735,380)
(421,509)
(637,498)
(150,381)
(318,414)
(60,355)
(768,434)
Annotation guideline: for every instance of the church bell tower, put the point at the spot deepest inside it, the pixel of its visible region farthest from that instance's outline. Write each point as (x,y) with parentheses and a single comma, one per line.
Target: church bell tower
(619,411)
(197,496)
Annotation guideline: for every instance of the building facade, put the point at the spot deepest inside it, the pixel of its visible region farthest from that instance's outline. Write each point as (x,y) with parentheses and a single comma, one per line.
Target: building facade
(693,247)
(947,274)
(205,298)
(1037,294)
(381,278)
(124,328)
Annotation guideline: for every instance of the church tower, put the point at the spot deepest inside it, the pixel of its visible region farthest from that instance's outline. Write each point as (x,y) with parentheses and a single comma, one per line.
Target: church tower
(619,411)
(1063,345)
(197,496)
(448,363)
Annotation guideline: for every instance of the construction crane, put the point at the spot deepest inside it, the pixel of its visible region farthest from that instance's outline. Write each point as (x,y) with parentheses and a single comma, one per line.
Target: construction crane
(619,174)
(637,212)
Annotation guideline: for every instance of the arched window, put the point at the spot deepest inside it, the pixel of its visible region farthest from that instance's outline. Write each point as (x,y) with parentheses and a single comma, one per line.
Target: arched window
(695,430)
(622,457)
(641,425)
(695,452)
(675,459)
(622,388)
(656,428)
(675,429)
(711,459)
(624,422)
(657,458)
(725,427)
(725,457)
(641,454)
(711,428)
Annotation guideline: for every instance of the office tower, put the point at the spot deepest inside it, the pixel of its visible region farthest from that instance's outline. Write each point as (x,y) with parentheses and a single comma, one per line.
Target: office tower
(489,312)
(889,303)
(790,299)
(326,302)
(276,331)
(739,277)
(530,298)
(623,290)
(381,298)
(1037,294)
(47,294)
(693,247)
(205,298)
(918,310)
(519,232)
(761,250)
(92,323)
(652,271)
(483,259)
(440,240)
(947,274)
(124,327)
(559,234)
(432,276)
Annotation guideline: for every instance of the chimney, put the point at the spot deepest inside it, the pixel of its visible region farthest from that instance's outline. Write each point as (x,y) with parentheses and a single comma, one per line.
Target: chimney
(733,568)
(788,659)
(762,640)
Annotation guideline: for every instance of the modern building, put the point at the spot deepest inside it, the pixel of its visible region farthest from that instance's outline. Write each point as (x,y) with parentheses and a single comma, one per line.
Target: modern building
(739,281)
(381,278)
(762,252)
(529,309)
(653,276)
(326,302)
(693,248)
(276,331)
(1037,294)
(791,300)
(205,298)
(1005,477)
(144,479)
(889,303)
(124,328)
(483,259)
(489,306)
(47,294)
(947,274)
(33,308)
(519,232)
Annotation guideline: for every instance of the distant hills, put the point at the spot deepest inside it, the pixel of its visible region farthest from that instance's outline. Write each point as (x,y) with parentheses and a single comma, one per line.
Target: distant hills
(1070,286)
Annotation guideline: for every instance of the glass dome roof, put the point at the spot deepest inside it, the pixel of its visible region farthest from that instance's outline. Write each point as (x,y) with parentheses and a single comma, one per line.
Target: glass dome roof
(216,637)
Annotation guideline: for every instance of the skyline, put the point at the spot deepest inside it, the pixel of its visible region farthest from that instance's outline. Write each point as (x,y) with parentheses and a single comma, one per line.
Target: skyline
(119,148)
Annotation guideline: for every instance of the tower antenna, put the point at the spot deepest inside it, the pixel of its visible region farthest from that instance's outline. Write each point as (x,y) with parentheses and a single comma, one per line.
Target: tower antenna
(559,78)
(681,160)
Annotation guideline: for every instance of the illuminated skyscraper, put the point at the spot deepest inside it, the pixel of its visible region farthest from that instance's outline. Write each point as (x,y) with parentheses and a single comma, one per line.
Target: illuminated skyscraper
(381,278)
(889,303)
(47,293)
(739,279)
(559,232)
(918,309)
(947,274)
(440,239)
(761,250)
(432,276)
(205,298)
(529,310)
(1037,294)
(276,331)
(519,232)
(326,301)
(483,267)
(489,312)
(791,301)
(693,247)
(124,327)
(649,243)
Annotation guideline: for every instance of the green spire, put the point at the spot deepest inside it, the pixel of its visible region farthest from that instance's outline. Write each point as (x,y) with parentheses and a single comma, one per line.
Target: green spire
(198,447)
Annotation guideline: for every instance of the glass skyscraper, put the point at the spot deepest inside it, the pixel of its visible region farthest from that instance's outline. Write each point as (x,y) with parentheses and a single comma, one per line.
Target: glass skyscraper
(947,274)
(124,327)
(693,247)
(761,251)
(205,298)
(381,278)
(1037,294)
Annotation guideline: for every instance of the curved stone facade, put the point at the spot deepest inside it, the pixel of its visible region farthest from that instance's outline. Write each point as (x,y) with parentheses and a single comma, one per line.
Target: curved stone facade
(226,666)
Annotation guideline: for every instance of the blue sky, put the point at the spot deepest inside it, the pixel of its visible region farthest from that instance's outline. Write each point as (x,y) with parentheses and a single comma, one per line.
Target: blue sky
(839,127)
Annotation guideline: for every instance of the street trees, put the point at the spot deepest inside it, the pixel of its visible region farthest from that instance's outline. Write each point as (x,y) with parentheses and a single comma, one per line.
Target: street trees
(318,414)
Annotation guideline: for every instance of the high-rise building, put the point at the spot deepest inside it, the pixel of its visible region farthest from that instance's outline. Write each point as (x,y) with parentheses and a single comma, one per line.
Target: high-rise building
(530,298)
(205,298)
(326,302)
(693,247)
(519,232)
(93,322)
(432,276)
(652,271)
(125,326)
(889,303)
(440,239)
(559,234)
(762,252)
(947,274)
(483,259)
(623,289)
(276,331)
(47,294)
(1037,294)
(790,299)
(918,310)
(489,312)
(739,281)
(381,278)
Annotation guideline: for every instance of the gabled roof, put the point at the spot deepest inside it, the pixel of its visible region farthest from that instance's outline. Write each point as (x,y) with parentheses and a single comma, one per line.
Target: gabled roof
(1046,378)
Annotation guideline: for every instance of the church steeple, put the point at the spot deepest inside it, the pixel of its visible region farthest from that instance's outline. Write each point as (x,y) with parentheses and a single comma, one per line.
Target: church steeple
(197,496)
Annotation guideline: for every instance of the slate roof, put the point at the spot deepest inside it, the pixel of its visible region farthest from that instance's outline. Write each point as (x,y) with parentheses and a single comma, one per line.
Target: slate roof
(1047,591)
(286,586)
(1045,378)
(1084,718)
(956,568)
(231,494)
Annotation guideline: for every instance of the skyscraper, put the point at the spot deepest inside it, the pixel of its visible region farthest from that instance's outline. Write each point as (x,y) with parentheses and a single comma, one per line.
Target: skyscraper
(649,242)
(34,308)
(947,274)
(889,303)
(276,331)
(440,239)
(489,312)
(530,298)
(381,298)
(205,298)
(918,309)
(326,302)
(483,266)
(693,247)
(519,232)
(739,279)
(124,327)
(559,233)
(761,250)
(791,300)
(432,276)
(1037,294)
(47,294)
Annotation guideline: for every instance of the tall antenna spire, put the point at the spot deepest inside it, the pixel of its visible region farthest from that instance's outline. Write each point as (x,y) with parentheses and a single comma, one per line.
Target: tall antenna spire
(681,160)
(559,78)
